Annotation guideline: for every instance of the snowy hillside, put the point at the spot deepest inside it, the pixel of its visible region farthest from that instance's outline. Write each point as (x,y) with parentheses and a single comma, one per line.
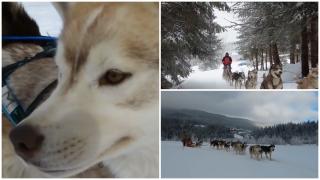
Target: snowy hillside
(212,79)
(206,162)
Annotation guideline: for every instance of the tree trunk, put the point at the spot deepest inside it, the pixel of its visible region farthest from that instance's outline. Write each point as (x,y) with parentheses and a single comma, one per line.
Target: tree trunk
(266,59)
(257,60)
(314,41)
(270,54)
(262,65)
(275,54)
(292,50)
(304,50)
(297,54)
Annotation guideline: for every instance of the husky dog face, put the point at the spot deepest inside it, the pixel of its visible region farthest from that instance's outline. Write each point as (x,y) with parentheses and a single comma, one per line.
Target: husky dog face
(276,70)
(252,74)
(272,147)
(106,103)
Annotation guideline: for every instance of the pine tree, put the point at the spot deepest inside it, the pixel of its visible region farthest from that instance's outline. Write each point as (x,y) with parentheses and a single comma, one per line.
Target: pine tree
(188,31)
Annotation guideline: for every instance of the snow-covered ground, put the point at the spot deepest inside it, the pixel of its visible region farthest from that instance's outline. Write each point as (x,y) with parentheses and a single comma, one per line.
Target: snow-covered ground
(212,79)
(205,162)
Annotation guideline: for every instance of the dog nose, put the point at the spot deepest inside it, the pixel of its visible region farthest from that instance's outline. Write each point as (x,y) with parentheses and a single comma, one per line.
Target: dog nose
(26,140)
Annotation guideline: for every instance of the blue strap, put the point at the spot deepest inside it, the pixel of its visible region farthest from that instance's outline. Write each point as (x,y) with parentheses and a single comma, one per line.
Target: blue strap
(29,38)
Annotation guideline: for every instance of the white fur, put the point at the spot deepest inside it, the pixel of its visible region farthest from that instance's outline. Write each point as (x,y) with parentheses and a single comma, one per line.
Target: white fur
(86,123)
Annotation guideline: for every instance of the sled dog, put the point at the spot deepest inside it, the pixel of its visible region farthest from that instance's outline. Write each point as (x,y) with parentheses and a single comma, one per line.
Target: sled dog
(273,79)
(240,148)
(309,82)
(227,73)
(251,82)
(267,150)
(100,112)
(238,79)
(255,151)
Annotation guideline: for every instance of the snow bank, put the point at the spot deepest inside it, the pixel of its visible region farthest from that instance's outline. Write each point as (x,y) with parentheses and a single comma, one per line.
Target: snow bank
(206,162)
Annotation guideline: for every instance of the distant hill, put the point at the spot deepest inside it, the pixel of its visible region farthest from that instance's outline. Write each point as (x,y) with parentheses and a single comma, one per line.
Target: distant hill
(190,116)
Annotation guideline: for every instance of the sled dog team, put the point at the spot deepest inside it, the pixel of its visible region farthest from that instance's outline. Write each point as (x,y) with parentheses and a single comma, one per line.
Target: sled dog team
(256,151)
(272,80)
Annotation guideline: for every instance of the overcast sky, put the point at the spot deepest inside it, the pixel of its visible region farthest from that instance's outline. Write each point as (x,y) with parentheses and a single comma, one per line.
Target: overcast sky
(264,108)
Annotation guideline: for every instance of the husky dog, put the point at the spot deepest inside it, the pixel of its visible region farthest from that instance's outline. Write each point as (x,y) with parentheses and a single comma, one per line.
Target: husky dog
(267,150)
(251,82)
(227,146)
(240,148)
(238,78)
(255,151)
(227,73)
(309,82)
(99,111)
(273,79)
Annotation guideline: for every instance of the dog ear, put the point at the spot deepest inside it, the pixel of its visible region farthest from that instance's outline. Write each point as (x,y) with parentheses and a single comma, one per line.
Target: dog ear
(62,8)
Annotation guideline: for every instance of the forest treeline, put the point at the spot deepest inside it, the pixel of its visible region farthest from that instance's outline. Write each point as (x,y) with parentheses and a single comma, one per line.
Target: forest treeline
(288,133)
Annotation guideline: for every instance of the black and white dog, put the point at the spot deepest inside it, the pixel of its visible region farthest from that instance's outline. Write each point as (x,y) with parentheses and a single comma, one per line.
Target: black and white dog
(238,78)
(267,150)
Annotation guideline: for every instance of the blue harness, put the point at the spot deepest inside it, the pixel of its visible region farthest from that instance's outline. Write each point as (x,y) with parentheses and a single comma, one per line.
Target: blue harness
(11,107)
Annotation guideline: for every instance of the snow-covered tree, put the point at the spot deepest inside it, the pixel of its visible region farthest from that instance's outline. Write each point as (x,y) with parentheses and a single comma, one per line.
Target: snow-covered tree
(274,27)
(188,31)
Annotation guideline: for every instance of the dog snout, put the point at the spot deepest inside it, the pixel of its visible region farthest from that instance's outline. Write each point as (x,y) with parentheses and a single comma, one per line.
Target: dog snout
(27,140)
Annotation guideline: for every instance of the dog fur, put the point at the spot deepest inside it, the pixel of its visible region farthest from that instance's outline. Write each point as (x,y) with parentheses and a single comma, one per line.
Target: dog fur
(309,82)
(273,79)
(113,125)
(240,148)
(227,74)
(238,79)
(255,151)
(267,150)
(251,82)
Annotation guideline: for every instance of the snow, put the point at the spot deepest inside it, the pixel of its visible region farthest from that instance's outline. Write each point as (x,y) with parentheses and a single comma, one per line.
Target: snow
(212,79)
(205,162)
(46,17)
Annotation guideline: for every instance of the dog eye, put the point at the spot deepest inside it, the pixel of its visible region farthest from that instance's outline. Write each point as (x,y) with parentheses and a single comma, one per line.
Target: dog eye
(113,77)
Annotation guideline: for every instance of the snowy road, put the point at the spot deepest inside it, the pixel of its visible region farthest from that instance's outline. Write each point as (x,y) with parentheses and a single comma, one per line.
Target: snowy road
(206,162)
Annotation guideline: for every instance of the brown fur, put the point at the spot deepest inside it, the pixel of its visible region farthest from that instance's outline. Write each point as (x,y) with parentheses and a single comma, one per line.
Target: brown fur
(255,151)
(135,35)
(309,82)
(271,81)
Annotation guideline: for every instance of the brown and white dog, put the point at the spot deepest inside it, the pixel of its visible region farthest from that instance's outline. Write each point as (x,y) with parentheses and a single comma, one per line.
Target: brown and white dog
(251,82)
(273,79)
(255,151)
(101,110)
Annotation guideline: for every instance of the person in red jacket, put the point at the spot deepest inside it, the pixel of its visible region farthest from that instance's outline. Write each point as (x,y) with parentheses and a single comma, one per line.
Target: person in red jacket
(227,60)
